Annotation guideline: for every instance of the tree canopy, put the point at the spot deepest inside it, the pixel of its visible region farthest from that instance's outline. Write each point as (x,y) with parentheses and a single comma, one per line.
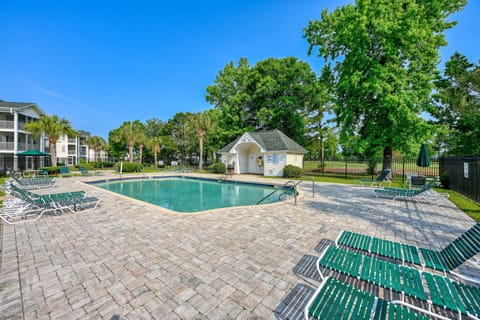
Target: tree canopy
(381,58)
(458,106)
(97,144)
(274,94)
(129,133)
(53,127)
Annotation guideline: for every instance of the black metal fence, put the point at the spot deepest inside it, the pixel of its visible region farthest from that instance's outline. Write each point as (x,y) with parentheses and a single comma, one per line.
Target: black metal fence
(463,174)
(365,168)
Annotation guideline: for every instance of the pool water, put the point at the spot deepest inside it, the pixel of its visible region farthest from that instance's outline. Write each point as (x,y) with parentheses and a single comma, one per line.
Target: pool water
(193,195)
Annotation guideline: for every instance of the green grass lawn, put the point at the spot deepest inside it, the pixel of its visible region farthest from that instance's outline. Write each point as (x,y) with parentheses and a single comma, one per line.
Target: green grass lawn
(342,180)
(470,207)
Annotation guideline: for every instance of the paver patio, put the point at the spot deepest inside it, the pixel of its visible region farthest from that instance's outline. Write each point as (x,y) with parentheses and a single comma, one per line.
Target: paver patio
(130,260)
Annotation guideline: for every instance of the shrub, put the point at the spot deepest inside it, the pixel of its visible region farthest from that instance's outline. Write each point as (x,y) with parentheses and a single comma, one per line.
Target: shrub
(291,171)
(51,170)
(128,167)
(445,180)
(219,167)
(106,164)
(88,165)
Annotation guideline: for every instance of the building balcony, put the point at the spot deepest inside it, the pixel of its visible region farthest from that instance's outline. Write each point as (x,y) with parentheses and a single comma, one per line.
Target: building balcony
(9,146)
(6,124)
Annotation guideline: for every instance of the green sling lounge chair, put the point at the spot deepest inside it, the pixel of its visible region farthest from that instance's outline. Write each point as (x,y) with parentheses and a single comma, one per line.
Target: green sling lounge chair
(84,171)
(453,255)
(383,177)
(337,300)
(442,292)
(56,202)
(34,183)
(64,171)
(424,192)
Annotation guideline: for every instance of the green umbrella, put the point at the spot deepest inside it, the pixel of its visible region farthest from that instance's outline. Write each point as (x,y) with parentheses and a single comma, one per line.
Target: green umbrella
(32,153)
(423,158)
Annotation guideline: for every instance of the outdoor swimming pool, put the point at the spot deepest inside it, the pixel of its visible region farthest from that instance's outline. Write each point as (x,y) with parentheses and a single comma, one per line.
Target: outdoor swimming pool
(194,194)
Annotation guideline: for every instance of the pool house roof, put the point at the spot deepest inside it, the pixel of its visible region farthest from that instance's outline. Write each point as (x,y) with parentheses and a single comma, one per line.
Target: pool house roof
(268,141)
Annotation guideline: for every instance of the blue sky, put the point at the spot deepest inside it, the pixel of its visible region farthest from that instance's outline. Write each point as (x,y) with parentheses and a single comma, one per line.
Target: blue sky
(99,63)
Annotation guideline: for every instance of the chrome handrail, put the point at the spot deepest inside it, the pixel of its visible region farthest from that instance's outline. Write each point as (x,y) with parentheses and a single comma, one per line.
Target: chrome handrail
(294,187)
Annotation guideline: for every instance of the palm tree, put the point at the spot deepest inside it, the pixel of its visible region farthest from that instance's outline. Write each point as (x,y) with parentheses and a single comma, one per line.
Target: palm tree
(155,143)
(97,144)
(141,139)
(53,127)
(201,124)
(129,131)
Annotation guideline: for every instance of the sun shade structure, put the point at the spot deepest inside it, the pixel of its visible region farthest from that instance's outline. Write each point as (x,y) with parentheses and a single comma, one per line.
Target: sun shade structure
(35,154)
(423,157)
(32,153)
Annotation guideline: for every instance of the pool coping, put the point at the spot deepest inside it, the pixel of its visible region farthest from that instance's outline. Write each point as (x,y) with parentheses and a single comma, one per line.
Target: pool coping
(166,210)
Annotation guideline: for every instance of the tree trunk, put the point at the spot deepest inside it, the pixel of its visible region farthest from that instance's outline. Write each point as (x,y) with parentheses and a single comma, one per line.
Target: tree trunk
(322,162)
(200,142)
(155,156)
(130,151)
(388,159)
(140,152)
(53,153)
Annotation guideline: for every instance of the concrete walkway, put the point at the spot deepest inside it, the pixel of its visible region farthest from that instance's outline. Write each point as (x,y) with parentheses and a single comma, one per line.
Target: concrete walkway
(130,260)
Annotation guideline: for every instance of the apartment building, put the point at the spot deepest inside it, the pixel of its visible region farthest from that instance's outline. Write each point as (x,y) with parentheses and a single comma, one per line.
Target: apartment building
(72,150)
(14,138)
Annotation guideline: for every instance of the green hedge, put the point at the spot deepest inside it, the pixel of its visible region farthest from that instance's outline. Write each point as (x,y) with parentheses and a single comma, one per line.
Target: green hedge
(51,170)
(106,164)
(128,167)
(290,171)
(219,167)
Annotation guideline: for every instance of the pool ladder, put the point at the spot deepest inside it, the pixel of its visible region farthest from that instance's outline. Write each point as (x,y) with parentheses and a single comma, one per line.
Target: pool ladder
(286,187)
(224,177)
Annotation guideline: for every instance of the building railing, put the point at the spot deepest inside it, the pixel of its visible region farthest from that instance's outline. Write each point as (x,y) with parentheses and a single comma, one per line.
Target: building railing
(7,124)
(9,146)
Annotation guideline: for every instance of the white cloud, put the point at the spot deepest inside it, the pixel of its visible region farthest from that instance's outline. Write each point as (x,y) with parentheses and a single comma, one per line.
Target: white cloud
(51,93)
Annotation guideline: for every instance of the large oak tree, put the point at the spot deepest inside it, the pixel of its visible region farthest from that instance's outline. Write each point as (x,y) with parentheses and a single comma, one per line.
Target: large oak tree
(274,94)
(381,57)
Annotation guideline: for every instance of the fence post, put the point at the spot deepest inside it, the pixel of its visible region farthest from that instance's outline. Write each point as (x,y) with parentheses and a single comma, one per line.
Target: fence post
(403,170)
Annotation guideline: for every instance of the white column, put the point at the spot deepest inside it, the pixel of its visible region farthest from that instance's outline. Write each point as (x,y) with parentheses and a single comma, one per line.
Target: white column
(237,164)
(15,141)
(42,148)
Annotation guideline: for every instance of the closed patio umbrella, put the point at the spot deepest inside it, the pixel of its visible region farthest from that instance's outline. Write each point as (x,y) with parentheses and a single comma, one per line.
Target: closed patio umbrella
(423,157)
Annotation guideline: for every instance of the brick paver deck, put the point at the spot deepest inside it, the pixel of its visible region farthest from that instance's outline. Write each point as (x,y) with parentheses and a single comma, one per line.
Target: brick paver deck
(129,260)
